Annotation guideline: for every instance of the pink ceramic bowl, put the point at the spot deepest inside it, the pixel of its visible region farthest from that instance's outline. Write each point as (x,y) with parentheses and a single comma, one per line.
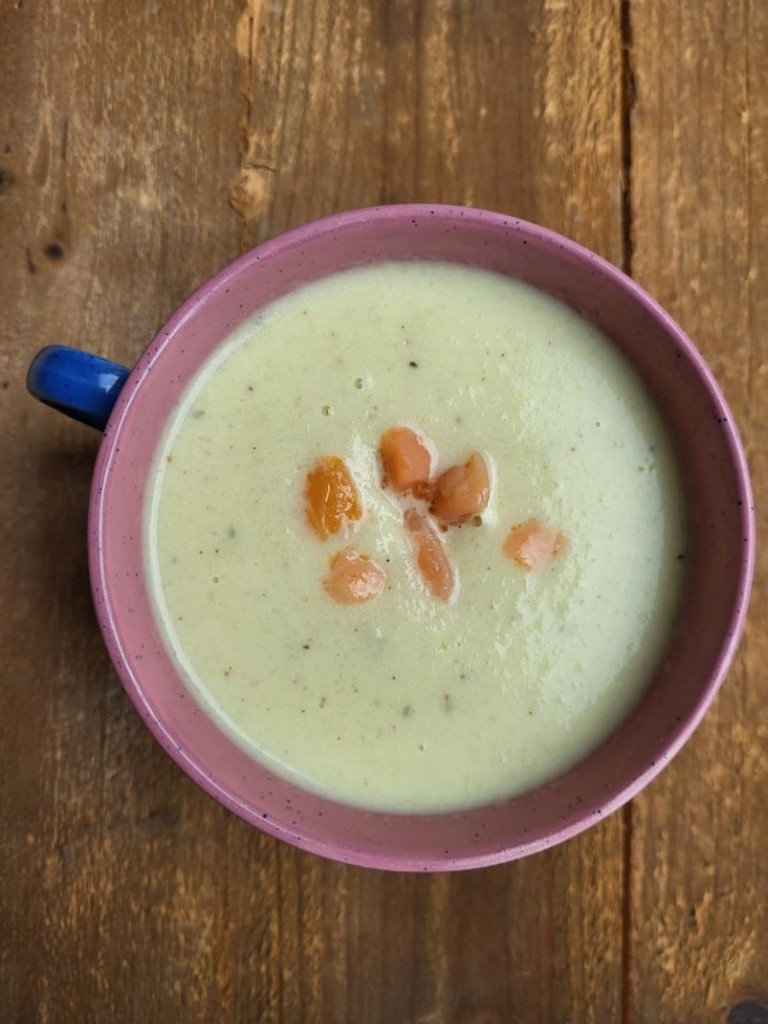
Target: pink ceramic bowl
(720,551)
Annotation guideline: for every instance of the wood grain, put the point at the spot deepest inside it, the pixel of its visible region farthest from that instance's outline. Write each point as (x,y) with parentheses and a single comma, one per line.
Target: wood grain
(700,225)
(143,146)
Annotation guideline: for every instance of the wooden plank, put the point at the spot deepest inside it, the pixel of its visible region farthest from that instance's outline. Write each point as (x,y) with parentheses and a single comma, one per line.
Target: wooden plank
(700,204)
(486,109)
(116,209)
(142,147)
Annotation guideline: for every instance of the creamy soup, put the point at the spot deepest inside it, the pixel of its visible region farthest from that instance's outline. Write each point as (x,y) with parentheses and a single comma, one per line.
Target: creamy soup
(409,701)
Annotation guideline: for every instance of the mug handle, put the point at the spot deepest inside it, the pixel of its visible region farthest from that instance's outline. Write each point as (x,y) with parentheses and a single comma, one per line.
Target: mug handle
(80,384)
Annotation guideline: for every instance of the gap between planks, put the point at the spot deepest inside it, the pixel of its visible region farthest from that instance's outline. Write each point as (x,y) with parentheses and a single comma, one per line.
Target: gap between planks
(628,95)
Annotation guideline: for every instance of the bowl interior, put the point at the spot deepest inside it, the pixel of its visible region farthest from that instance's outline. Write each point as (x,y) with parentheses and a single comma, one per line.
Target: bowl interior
(718,556)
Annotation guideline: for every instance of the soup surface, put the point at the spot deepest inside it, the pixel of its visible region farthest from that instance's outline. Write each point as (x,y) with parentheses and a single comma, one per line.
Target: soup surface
(408,701)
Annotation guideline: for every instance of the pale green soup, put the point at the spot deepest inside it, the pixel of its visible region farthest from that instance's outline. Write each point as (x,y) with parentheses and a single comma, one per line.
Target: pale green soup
(406,703)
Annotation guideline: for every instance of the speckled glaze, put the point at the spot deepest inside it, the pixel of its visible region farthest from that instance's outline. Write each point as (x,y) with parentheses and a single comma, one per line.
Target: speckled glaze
(720,554)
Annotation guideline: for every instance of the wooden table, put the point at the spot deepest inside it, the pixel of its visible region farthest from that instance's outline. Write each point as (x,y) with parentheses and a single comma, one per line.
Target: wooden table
(143,145)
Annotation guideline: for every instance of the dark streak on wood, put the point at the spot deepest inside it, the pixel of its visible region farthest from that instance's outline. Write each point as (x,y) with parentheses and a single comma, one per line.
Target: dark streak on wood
(628,97)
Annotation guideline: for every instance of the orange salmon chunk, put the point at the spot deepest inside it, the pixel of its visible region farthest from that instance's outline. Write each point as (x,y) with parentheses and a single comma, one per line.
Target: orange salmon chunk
(354,578)
(532,545)
(462,491)
(434,566)
(331,498)
(405,459)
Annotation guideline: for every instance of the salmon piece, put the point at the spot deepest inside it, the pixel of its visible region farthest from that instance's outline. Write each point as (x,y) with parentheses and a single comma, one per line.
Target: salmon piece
(405,459)
(353,578)
(331,497)
(532,545)
(461,491)
(434,566)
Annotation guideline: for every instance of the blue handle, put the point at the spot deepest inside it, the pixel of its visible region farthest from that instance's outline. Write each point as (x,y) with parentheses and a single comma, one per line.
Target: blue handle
(77,383)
